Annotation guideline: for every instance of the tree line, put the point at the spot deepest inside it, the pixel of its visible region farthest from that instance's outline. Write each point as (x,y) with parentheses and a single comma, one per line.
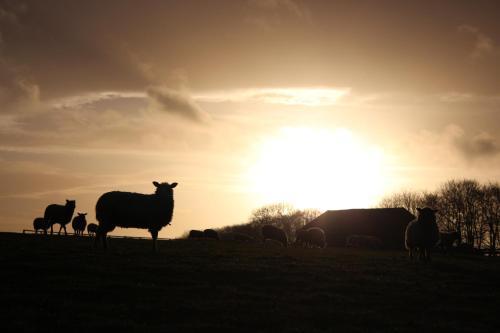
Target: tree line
(466,206)
(282,215)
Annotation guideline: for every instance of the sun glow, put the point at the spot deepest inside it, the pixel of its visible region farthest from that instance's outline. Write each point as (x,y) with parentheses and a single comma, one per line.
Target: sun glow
(318,168)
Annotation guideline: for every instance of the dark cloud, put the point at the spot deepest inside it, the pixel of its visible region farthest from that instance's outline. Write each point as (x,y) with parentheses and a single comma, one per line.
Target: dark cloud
(177,102)
(482,145)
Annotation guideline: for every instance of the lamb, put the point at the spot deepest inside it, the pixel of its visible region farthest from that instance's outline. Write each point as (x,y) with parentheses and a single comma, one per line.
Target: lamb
(447,239)
(59,214)
(135,210)
(422,234)
(364,241)
(312,237)
(79,223)
(274,233)
(195,234)
(92,229)
(211,233)
(39,223)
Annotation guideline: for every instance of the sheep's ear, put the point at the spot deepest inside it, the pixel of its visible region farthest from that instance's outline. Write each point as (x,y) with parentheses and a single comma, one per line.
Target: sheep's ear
(156,184)
(436,210)
(67,201)
(173,185)
(84,214)
(419,209)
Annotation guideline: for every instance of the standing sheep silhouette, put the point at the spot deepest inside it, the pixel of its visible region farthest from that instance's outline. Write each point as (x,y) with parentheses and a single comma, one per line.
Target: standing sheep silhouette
(422,234)
(79,223)
(135,210)
(59,214)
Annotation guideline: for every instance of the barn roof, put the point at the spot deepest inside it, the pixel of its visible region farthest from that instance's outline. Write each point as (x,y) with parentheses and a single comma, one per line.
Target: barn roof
(388,224)
(368,215)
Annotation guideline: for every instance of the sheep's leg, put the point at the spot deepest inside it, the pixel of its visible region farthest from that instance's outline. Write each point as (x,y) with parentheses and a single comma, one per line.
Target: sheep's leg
(60,228)
(65,232)
(51,229)
(154,234)
(96,239)
(104,236)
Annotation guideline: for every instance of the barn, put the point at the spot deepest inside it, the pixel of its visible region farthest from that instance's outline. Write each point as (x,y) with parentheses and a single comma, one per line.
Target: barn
(388,224)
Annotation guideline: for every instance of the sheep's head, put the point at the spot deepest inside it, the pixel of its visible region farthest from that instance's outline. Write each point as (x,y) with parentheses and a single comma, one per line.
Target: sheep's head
(164,188)
(70,203)
(427,214)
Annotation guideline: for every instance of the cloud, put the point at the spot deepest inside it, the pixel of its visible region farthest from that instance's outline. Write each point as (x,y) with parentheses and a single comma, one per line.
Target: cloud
(177,102)
(294,7)
(482,145)
(286,96)
(17,90)
(483,44)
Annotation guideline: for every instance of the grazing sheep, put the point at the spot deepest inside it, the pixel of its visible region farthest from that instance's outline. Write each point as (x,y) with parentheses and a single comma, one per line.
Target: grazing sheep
(422,234)
(195,234)
(274,233)
(364,241)
(92,229)
(135,210)
(211,233)
(59,214)
(447,239)
(79,223)
(39,223)
(312,237)
(239,236)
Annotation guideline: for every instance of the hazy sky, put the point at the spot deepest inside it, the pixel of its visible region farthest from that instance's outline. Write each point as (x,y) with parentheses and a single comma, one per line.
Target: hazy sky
(327,104)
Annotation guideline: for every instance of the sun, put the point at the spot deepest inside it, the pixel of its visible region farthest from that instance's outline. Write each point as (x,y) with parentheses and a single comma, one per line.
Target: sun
(318,168)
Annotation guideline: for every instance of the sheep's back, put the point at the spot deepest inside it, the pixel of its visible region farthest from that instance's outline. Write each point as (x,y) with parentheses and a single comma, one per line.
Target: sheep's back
(55,213)
(133,210)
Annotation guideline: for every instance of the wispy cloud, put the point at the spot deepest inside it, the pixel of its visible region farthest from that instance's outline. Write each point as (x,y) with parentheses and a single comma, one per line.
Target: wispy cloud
(294,7)
(483,44)
(287,96)
(177,102)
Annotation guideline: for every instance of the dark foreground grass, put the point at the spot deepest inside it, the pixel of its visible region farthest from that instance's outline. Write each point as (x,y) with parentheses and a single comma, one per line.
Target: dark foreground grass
(61,283)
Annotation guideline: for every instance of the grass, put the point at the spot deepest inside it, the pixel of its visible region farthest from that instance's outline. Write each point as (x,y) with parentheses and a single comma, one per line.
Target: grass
(61,283)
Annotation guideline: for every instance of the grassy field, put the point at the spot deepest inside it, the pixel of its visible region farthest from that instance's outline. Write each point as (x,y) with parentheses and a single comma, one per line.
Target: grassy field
(61,283)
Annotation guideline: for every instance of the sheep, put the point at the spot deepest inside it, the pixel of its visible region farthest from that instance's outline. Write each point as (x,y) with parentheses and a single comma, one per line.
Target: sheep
(211,233)
(39,223)
(92,229)
(59,214)
(312,237)
(422,234)
(364,241)
(274,233)
(135,210)
(79,223)
(195,234)
(447,239)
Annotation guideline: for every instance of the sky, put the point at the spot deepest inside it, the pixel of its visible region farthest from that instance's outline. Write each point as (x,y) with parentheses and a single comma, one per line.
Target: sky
(323,104)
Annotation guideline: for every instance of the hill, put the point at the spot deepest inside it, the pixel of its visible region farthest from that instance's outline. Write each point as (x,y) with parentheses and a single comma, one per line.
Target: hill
(61,283)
